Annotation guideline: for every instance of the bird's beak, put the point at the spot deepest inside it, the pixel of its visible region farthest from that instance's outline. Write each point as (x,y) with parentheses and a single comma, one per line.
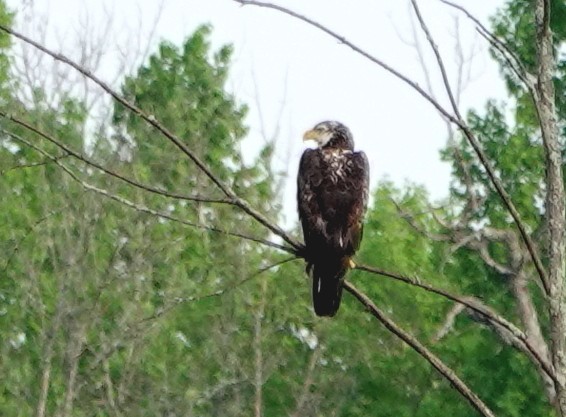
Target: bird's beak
(311,135)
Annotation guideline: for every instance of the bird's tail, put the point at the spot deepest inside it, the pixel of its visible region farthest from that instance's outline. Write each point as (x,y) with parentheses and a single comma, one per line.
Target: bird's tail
(327,278)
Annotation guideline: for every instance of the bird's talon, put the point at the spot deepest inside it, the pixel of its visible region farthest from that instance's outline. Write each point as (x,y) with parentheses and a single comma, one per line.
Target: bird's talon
(351,264)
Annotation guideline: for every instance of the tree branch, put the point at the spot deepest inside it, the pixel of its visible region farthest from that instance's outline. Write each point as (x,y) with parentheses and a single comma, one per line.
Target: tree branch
(431,358)
(510,57)
(456,309)
(439,59)
(31,165)
(480,153)
(488,313)
(132,330)
(152,121)
(183,300)
(107,171)
(141,207)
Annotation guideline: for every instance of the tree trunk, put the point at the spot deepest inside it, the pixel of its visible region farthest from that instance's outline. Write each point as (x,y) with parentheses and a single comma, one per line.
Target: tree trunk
(554,204)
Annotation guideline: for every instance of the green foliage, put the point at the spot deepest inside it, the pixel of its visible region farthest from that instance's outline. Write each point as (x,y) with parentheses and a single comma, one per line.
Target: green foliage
(184,89)
(106,310)
(514,24)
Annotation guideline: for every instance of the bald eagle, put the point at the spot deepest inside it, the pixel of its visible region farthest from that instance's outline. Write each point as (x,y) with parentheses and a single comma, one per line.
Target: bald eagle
(332,196)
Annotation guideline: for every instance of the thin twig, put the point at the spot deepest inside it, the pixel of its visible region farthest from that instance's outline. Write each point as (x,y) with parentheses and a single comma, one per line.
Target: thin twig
(430,357)
(134,329)
(184,300)
(510,57)
(439,59)
(31,165)
(30,229)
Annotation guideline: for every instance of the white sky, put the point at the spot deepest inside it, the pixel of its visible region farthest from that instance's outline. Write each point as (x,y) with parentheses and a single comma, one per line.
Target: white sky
(280,61)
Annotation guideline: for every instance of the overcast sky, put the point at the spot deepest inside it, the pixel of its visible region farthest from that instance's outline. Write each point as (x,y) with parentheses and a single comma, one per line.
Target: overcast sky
(280,62)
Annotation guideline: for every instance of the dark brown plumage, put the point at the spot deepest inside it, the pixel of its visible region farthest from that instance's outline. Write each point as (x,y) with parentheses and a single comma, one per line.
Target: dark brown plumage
(332,196)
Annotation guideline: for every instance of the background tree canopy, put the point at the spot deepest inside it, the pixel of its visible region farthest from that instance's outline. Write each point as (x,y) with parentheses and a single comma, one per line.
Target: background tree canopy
(147,305)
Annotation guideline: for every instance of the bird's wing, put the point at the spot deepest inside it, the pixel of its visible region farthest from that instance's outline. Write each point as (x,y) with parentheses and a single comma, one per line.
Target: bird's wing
(309,181)
(358,187)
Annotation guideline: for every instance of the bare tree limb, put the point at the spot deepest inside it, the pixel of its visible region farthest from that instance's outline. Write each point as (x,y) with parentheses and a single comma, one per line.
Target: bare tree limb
(179,143)
(108,171)
(448,322)
(439,60)
(431,358)
(132,330)
(31,165)
(472,196)
(474,305)
(142,208)
(29,231)
(184,300)
(533,340)
(510,57)
(481,155)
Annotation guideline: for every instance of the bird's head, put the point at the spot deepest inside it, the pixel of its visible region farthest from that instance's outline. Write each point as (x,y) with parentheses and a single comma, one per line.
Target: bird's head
(331,134)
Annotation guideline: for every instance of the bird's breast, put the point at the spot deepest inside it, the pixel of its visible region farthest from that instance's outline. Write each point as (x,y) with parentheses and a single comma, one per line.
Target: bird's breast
(338,163)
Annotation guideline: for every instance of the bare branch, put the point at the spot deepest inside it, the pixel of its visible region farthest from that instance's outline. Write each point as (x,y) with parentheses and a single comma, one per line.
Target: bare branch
(411,221)
(151,120)
(132,330)
(479,151)
(507,53)
(439,59)
(448,322)
(431,358)
(487,313)
(473,203)
(142,208)
(108,171)
(31,165)
(32,228)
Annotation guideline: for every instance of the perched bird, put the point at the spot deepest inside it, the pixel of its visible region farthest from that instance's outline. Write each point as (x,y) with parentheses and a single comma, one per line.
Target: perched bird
(332,196)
